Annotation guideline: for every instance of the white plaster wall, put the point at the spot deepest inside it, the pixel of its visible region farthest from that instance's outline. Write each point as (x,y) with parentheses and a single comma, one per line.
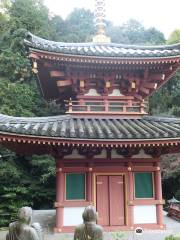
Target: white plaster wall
(74,155)
(102,155)
(92,92)
(116,92)
(73,216)
(141,154)
(115,155)
(145,214)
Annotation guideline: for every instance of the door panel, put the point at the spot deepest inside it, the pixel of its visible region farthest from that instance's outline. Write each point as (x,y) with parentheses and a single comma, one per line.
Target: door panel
(116,195)
(110,200)
(103,200)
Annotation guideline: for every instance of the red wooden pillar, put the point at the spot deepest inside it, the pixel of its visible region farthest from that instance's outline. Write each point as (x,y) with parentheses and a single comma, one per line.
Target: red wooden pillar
(59,196)
(158,194)
(131,196)
(89,181)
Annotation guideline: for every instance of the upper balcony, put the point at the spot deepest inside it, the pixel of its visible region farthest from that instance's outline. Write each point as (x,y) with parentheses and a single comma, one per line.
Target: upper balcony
(107,107)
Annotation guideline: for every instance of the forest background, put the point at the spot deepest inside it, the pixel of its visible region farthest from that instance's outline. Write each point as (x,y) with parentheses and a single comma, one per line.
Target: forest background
(31,180)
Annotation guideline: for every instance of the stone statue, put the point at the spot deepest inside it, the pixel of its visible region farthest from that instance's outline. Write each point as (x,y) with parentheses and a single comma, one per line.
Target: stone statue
(22,229)
(89,230)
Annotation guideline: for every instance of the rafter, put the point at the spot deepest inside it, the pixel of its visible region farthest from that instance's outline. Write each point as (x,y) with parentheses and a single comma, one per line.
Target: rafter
(63,83)
(57,73)
(149,85)
(144,90)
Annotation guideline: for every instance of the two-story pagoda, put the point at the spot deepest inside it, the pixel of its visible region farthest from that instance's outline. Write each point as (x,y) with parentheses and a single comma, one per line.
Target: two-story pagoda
(107,148)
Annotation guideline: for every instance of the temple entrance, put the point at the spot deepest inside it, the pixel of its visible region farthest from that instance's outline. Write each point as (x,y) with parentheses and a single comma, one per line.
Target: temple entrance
(110,200)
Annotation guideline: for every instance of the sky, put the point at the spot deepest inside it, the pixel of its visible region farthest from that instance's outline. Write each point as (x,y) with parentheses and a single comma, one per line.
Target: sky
(164,15)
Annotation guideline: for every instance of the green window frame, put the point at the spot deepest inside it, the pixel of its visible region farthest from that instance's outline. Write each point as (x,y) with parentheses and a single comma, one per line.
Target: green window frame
(143,185)
(75,186)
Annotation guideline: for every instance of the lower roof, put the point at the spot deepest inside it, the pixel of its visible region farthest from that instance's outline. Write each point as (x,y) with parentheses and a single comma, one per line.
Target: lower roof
(69,127)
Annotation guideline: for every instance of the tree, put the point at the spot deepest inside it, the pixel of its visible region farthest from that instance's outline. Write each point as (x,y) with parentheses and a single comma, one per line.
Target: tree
(174,37)
(58,28)
(171,175)
(31,15)
(80,26)
(168,97)
(133,32)
(30,179)
(24,15)
(152,36)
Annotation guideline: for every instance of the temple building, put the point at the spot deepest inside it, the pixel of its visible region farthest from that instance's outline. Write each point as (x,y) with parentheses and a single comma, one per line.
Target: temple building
(107,148)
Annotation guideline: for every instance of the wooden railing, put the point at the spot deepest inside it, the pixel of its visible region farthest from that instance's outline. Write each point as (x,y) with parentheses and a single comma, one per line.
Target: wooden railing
(107,106)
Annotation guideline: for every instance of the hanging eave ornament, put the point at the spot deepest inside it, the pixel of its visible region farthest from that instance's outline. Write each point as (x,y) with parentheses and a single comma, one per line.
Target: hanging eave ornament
(35,69)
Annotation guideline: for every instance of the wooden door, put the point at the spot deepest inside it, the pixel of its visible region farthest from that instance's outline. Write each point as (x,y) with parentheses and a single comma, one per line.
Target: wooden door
(102,200)
(116,195)
(110,200)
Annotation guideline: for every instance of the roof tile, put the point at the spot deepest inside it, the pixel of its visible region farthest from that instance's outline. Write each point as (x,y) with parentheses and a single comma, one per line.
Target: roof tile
(102,49)
(71,127)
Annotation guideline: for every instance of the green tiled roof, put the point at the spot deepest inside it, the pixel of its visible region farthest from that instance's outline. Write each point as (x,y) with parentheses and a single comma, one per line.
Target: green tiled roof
(102,49)
(71,127)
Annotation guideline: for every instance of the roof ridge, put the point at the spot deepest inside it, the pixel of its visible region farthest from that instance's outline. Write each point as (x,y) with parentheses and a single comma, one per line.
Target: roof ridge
(35,119)
(68,116)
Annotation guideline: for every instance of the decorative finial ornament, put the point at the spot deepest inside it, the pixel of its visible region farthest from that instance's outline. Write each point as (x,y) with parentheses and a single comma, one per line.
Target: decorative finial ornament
(100,22)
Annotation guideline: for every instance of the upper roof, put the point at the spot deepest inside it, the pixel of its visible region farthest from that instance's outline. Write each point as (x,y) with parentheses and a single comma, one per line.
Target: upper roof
(103,49)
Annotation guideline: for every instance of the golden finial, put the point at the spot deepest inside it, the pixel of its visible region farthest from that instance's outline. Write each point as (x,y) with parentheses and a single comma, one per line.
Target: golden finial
(100,22)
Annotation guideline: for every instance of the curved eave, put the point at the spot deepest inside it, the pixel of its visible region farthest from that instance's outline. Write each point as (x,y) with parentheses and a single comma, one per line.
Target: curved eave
(104,51)
(90,131)
(40,54)
(103,143)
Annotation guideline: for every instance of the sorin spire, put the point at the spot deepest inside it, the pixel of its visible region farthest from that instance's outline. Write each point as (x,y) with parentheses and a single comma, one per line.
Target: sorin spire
(100,22)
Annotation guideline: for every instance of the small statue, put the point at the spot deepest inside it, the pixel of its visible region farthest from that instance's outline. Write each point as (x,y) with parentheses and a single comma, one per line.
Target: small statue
(89,230)
(22,229)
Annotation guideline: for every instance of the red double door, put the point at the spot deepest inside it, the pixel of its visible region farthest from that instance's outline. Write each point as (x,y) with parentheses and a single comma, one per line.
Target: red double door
(110,200)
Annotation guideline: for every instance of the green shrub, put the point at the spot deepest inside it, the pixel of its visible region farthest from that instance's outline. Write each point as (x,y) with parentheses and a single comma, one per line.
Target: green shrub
(173,237)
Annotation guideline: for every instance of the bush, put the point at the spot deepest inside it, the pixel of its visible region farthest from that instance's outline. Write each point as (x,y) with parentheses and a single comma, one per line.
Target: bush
(175,237)
(177,195)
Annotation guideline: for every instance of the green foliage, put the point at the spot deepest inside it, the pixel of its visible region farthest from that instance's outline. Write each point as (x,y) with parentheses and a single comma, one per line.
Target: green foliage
(173,237)
(12,191)
(16,99)
(168,99)
(42,171)
(23,99)
(31,15)
(30,180)
(80,26)
(177,195)
(171,175)
(133,32)
(153,36)
(174,37)
(58,28)
(118,235)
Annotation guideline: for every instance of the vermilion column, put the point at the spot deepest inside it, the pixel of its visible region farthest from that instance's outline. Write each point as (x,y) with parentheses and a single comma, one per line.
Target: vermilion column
(158,194)
(89,181)
(59,196)
(131,196)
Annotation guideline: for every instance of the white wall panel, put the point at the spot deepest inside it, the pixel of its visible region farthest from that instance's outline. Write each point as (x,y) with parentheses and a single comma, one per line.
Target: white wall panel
(73,216)
(145,214)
